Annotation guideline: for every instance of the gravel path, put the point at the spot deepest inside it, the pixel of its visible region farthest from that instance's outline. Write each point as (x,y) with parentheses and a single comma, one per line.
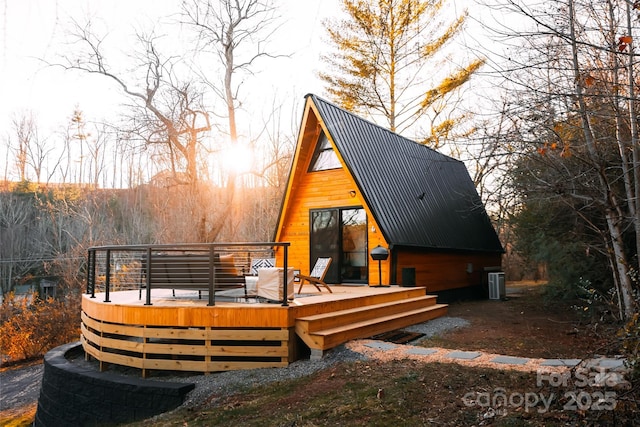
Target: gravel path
(225,383)
(437,326)
(21,387)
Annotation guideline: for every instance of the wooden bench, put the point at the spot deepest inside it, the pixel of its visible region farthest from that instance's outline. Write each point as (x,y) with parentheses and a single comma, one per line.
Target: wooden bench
(190,271)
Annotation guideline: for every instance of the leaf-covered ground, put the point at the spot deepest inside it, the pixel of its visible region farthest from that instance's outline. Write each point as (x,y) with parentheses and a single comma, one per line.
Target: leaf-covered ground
(414,393)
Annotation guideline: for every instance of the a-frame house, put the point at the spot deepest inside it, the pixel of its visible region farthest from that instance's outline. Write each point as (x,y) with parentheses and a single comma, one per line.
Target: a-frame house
(354,185)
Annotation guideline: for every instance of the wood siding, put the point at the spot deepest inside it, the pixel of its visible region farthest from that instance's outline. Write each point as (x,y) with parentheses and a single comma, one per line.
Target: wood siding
(439,271)
(320,190)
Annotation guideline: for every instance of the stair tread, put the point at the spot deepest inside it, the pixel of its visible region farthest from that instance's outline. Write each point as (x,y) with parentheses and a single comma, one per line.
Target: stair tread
(376,320)
(333,314)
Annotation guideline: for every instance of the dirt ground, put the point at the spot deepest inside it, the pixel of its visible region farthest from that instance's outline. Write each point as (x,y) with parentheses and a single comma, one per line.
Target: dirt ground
(527,324)
(408,392)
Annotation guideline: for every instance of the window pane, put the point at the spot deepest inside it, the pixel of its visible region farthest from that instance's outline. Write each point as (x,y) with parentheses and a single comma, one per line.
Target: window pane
(325,240)
(324,158)
(354,245)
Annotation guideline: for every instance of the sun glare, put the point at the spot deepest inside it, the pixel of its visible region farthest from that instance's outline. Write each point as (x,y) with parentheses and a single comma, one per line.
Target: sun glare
(237,158)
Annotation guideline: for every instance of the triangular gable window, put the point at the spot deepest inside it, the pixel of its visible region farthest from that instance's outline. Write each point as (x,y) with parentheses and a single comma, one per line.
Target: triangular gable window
(324,158)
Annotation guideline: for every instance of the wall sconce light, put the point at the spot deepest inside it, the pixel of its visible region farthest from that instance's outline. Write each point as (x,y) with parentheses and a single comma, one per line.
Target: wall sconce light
(352,193)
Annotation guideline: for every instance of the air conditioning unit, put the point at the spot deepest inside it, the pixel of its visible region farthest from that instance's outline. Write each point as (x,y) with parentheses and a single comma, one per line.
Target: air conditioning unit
(496,286)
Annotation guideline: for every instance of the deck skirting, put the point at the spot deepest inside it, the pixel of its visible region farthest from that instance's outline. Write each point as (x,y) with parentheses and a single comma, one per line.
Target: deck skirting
(196,349)
(182,333)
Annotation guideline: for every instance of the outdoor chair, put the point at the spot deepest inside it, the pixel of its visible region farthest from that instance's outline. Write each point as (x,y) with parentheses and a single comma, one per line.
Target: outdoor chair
(252,278)
(316,277)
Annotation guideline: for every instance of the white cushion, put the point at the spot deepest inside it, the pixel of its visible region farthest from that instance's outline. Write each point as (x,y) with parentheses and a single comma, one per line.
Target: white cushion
(270,285)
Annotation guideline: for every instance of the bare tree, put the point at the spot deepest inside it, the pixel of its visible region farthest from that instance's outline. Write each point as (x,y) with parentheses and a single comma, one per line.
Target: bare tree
(573,86)
(21,236)
(81,136)
(171,113)
(31,152)
(97,150)
(169,117)
(236,34)
(25,130)
(64,164)
(38,155)
(92,163)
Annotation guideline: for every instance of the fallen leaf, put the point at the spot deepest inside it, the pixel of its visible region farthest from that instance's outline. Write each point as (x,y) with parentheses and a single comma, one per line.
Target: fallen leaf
(625,40)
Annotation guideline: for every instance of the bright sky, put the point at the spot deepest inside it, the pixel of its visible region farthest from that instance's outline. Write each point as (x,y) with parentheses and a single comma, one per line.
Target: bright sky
(31,30)
(34,29)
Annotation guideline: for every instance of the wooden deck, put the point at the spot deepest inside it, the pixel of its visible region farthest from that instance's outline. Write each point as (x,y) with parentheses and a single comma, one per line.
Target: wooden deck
(183,333)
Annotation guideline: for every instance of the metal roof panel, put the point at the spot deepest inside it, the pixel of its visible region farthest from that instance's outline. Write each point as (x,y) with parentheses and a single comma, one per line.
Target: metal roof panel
(419,197)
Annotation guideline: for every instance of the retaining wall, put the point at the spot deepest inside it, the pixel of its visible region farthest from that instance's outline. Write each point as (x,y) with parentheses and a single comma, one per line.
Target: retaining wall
(76,395)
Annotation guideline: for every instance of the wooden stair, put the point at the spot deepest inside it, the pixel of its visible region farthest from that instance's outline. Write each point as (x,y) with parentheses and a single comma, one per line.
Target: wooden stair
(328,330)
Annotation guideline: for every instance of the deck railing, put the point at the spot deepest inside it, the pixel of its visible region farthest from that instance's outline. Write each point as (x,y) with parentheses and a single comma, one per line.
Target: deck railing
(124,267)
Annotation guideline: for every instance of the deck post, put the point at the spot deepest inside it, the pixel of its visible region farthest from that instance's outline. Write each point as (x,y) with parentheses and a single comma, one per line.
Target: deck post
(285,276)
(212,276)
(148,278)
(91,273)
(107,274)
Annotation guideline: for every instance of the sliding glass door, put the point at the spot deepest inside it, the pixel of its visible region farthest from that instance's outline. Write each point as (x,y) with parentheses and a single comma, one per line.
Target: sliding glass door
(341,234)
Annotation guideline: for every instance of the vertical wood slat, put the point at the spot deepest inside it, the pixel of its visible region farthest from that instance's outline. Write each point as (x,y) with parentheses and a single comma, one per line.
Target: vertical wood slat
(145,340)
(103,367)
(323,191)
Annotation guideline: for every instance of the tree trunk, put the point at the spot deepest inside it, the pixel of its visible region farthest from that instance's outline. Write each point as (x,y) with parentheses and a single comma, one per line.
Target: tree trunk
(625,285)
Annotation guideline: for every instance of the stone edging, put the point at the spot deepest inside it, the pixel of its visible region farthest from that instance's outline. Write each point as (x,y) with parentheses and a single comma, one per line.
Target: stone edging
(386,351)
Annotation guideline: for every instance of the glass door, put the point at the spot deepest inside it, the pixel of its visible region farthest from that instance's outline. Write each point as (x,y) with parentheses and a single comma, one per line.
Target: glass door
(325,232)
(342,235)
(353,264)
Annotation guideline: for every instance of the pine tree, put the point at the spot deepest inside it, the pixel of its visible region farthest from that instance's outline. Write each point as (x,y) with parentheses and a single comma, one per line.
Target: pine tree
(383,64)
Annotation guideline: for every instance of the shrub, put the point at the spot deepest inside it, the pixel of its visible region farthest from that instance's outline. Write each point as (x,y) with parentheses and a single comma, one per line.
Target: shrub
(29,326)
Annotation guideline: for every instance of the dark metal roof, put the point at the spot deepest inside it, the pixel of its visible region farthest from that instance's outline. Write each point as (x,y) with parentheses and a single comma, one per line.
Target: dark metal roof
(418,196)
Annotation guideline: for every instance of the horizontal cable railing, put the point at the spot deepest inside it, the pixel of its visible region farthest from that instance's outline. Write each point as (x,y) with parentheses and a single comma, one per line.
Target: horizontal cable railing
(211,267)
